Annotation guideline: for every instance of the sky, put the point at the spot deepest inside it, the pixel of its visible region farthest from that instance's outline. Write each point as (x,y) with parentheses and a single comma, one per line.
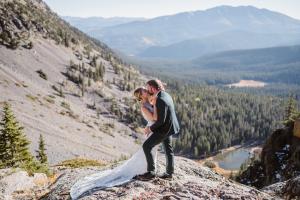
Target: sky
(154,8)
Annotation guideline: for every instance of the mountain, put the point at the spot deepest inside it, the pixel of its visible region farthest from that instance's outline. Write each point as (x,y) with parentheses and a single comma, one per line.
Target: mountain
(92,24)
(135,37)
(251,59)
(277,64)
(272,65)
(230,40)
(64,85)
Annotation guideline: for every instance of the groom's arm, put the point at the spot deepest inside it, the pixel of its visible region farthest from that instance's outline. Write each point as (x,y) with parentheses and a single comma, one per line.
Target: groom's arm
(161,114)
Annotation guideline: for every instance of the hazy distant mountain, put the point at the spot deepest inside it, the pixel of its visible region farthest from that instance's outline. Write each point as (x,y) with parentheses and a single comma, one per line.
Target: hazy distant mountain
(265,59)
(275,64)
(91,24)
(134,37)
(230,40)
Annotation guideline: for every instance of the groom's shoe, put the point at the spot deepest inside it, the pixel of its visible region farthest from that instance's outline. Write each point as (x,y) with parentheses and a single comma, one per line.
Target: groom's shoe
(166,176)
(145,177)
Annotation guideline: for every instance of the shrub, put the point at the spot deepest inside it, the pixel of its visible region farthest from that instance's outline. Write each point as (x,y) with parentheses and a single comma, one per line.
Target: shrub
(42,74)
(49,100)
(65,105)
(31,97)
(210,164)
(81,162)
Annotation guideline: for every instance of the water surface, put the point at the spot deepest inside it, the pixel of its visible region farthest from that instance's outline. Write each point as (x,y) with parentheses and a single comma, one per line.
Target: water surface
(232,160)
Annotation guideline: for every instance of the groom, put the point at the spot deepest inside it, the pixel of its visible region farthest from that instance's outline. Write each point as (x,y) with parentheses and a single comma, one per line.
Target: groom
(163,129)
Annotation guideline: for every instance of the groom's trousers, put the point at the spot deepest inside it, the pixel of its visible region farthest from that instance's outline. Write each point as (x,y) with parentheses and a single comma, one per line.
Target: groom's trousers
(151,142)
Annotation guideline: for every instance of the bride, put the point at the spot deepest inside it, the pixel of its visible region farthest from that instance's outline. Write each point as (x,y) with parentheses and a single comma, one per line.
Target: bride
(136,165)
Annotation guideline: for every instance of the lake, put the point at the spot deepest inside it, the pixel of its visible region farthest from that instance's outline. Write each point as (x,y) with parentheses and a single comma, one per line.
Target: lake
(232,160)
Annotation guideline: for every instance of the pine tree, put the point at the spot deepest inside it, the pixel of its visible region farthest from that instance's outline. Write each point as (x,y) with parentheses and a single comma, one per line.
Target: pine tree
(66,40)
(291,111)
(42,156)
(14,151)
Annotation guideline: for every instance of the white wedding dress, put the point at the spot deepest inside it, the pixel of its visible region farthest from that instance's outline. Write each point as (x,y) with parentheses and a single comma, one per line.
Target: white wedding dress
(124,173)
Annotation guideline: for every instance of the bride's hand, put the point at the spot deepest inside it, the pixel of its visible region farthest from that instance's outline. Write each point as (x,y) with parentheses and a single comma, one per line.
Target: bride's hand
(147,130)
(153,100)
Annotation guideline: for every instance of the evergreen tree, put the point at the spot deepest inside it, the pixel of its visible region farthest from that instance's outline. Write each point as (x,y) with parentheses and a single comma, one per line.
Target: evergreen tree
(42,156)
(291,111)
(14,151)
(66,40)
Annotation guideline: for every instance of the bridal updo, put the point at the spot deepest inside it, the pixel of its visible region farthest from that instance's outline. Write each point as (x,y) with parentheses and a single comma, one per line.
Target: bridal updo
(139,92)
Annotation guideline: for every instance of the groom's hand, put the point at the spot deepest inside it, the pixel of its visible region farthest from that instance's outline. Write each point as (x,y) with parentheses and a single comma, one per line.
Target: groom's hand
(147,130)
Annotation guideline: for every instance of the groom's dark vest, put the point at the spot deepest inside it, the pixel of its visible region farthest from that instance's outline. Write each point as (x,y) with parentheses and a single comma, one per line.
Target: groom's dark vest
(167,123)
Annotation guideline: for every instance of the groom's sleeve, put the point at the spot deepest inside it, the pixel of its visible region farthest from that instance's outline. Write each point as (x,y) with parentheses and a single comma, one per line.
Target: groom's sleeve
(161,114)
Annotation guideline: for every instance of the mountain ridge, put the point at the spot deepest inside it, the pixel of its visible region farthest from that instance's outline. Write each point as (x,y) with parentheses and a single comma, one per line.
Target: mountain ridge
(91,24)
(68,87)
(166,30)
(226,41)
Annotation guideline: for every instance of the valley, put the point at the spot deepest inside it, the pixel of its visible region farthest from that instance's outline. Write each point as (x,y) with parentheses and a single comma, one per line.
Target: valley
(234,79)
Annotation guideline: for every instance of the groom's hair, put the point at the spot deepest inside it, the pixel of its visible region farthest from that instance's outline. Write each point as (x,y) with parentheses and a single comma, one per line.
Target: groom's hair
(157,84)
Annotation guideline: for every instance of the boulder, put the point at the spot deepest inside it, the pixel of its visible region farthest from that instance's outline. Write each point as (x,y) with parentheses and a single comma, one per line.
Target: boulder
(16,180)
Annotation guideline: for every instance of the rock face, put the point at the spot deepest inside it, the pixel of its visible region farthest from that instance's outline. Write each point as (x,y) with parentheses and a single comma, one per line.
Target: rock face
(191,181)
(279,160)
(288,189)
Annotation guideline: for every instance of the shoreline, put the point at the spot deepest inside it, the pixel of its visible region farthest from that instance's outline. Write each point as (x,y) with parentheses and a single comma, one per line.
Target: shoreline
(252,148)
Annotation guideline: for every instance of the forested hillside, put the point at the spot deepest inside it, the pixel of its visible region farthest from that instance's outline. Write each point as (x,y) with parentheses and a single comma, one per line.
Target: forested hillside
(271,65)
(212,119)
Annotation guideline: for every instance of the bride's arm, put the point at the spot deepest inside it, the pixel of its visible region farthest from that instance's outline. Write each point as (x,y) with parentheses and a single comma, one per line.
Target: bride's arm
(149,114)
(154,110)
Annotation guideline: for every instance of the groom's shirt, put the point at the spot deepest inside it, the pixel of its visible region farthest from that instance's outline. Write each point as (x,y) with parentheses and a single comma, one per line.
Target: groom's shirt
(167,122)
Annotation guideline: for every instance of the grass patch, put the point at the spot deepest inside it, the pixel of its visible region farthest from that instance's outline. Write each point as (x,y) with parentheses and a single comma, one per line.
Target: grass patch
(138,142)
(121,158)
(36,167)
(31,97)
(81,162)
(24,85)
(72,114)
(65,105)
(49,100)
(210,164)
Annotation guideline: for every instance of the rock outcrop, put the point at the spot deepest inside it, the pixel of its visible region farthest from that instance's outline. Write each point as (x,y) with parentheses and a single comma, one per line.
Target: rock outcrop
(287,189)
(17,184)
(191,181)
(279,160)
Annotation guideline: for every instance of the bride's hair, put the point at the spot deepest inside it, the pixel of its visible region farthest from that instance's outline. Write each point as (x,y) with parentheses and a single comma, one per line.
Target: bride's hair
(138,93)
(156,83)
